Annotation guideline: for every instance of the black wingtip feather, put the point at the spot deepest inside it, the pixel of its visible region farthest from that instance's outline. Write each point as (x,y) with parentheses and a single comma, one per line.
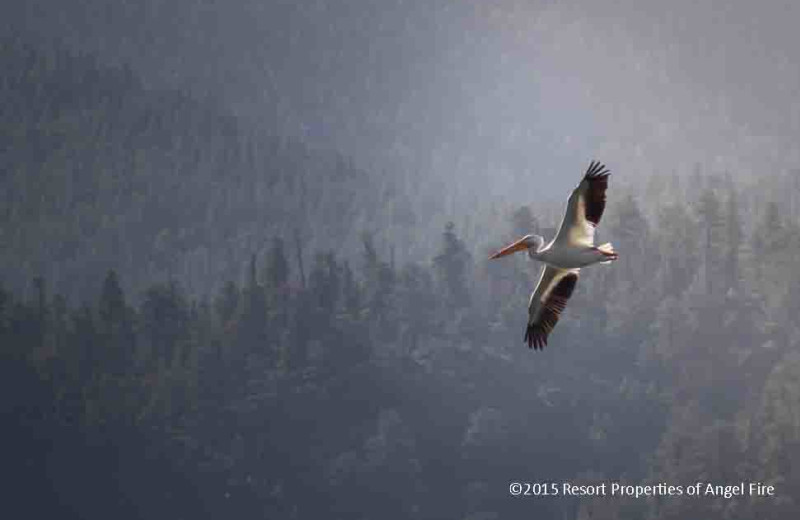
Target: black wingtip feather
(597,179)
(533,339)
(597,170)
(536,333)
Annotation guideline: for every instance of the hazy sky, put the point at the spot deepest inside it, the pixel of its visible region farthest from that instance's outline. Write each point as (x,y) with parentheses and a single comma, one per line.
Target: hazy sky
(488,93)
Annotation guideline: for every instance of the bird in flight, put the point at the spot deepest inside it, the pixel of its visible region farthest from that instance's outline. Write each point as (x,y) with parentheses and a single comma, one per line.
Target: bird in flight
(564,256)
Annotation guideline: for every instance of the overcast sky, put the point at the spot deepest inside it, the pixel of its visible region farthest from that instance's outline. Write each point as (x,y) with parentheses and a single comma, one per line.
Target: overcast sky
(475,90)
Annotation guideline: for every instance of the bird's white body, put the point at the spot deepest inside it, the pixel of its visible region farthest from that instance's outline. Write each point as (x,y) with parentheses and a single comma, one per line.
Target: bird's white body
(571,249)
(570,256)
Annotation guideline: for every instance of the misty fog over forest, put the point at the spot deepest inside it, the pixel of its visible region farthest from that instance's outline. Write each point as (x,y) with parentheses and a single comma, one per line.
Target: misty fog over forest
(244,257)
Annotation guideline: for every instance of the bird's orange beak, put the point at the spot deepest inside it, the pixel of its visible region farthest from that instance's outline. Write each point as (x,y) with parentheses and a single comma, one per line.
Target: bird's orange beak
(519,245)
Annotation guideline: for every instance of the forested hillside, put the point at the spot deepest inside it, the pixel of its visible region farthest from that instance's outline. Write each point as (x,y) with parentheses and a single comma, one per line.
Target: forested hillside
(200,318)
(99,172)
(375,390)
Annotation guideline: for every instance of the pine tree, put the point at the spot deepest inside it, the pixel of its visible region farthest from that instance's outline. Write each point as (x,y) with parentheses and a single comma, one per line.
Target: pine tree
(115,324)
(678,249)
(42,338)
(630,232)
(713,244)
(252,330)
(769,235)
(380,289)
(351,292)
(325,283)
(451,266)
(5,311)
(418,304)
(733,242)
(277,269)
(227,302)
(165,322)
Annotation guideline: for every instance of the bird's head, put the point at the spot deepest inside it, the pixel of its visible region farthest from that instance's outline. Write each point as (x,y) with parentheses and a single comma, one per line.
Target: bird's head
(530,243)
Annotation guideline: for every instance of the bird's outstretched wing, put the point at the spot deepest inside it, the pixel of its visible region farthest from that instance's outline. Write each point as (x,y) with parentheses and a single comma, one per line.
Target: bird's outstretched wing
(585,207)
(548,300)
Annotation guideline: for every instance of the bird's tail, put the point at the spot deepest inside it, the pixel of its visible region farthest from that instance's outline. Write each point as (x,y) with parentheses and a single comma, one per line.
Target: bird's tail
(608,253)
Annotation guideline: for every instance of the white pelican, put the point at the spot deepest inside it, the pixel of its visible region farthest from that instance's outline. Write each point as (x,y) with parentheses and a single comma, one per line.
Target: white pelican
(572,248)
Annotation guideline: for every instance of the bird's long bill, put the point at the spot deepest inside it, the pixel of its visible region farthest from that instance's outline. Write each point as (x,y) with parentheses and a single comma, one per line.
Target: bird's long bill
(519,245)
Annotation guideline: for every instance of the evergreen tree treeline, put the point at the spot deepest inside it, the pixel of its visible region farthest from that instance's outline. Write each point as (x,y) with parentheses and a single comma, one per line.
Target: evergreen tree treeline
(677,363)
(367,386)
